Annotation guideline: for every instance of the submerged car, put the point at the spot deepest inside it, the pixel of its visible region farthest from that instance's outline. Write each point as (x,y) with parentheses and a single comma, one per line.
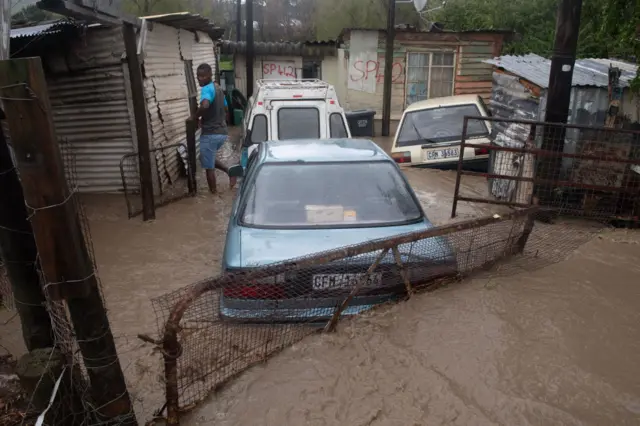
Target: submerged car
(303,197)
(430,133)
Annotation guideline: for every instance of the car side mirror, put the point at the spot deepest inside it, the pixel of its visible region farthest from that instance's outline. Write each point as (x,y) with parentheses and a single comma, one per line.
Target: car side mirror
(247,139)
(236,171)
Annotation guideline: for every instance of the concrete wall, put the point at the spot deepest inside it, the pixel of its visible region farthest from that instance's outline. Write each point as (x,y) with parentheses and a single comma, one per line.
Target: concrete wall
(263,67)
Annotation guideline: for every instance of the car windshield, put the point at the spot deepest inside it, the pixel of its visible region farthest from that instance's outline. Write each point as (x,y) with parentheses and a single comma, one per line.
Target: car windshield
(439,125)
(289,195)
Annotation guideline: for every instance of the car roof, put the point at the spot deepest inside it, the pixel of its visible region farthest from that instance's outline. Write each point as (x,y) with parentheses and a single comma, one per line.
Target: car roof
(445,101)
(322,150)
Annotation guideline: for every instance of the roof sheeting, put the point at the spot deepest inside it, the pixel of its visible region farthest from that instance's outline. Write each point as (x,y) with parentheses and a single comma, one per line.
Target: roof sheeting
(44,29)
(188,21)
(587,72)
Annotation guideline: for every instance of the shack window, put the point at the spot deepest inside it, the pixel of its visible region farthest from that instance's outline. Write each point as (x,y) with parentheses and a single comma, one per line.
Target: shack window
(429,75)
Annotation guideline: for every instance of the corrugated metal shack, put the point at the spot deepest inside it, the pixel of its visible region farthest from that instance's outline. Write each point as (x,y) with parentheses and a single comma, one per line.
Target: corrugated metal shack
(520,85)
(427,64)
(90,91)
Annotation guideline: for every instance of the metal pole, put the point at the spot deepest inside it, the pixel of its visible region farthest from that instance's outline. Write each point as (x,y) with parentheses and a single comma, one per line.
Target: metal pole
(249,29)
(239,20)
(5,28)
(388,68)
(559,94)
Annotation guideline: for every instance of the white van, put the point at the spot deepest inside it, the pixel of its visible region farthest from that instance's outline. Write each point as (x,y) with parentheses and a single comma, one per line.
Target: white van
(292,109)
(430,133)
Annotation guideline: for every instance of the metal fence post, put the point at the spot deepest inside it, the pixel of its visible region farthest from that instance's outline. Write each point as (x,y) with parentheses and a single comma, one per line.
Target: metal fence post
(456,190)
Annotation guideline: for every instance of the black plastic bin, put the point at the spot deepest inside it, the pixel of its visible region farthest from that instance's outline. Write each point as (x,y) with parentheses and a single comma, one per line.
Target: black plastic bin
(361,122)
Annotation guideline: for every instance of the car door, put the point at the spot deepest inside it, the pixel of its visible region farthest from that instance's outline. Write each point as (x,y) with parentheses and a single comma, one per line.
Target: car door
(299,120)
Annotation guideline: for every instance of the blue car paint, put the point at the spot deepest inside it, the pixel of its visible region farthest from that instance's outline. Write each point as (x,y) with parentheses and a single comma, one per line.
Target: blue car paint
(250,247)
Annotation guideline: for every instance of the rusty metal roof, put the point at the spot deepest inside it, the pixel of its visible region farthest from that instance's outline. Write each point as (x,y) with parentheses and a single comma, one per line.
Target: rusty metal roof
(587,72)
(285,48)
(188,21)
(55,27)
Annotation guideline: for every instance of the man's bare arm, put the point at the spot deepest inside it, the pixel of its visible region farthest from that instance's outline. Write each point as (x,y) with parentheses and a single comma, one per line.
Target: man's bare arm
(204,105)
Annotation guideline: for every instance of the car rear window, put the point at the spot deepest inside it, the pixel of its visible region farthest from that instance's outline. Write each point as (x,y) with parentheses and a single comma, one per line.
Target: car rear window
(439,125)
(298,123)
(308,195)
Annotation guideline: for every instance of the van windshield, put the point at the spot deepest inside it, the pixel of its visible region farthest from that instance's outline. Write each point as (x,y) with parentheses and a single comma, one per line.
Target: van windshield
(298,123)
(442,124)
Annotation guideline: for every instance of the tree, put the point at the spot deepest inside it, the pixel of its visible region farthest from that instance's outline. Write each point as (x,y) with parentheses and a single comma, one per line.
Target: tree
(32,14)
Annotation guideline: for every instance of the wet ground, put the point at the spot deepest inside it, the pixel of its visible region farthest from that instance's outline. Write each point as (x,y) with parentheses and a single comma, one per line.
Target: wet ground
(556,346)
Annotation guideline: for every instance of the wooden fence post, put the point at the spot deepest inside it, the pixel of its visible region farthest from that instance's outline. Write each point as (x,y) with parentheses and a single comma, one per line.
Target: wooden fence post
(140,113)
(19,253)
(64,258)
(191,156)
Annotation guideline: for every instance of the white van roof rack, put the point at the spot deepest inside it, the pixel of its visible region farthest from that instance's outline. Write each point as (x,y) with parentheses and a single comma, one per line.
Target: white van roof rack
(310,83)
(272,87)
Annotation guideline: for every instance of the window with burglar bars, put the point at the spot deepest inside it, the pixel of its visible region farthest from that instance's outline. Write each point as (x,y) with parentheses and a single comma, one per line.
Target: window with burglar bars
(429,75)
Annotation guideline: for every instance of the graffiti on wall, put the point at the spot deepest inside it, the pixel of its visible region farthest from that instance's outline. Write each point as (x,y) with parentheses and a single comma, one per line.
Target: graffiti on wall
(361,70)
(363,55)
(279,70)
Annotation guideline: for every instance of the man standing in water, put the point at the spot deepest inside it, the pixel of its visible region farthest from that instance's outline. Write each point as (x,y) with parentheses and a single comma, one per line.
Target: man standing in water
(212,112)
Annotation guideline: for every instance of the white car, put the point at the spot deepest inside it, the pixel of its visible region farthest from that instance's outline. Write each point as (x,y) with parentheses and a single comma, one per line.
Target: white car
(292,109)
(430,133)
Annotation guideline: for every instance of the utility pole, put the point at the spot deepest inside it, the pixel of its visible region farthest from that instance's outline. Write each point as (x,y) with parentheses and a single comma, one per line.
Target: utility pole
(249,29)
(64,258)
(239,20)
(559,93)
(388,68)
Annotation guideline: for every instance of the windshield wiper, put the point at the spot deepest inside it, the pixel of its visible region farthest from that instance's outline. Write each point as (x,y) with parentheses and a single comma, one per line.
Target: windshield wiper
(420,134)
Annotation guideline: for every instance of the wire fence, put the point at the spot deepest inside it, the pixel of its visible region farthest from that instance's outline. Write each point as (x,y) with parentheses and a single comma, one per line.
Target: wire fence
(172,180)
(571,170)
(60,374)
(215,329)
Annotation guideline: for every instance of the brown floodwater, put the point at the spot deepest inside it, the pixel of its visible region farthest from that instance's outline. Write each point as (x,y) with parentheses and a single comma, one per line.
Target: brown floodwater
(557,345)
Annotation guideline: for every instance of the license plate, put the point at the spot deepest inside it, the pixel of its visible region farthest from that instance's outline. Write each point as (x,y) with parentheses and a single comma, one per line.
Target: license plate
(441,154)
(337,281)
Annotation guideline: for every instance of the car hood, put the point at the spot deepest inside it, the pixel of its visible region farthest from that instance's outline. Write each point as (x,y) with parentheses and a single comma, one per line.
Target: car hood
(266,246)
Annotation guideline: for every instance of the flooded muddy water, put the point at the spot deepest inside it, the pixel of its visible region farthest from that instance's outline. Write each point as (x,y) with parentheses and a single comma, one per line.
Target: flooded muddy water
(554,346)
(557,346)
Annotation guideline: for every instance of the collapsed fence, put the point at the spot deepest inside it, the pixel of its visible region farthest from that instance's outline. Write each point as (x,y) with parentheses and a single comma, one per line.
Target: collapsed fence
(573,170)
(215,329)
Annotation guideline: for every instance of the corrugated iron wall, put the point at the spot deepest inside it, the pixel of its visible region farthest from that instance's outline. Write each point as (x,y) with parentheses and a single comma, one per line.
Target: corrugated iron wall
(167,96)
(92,114)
